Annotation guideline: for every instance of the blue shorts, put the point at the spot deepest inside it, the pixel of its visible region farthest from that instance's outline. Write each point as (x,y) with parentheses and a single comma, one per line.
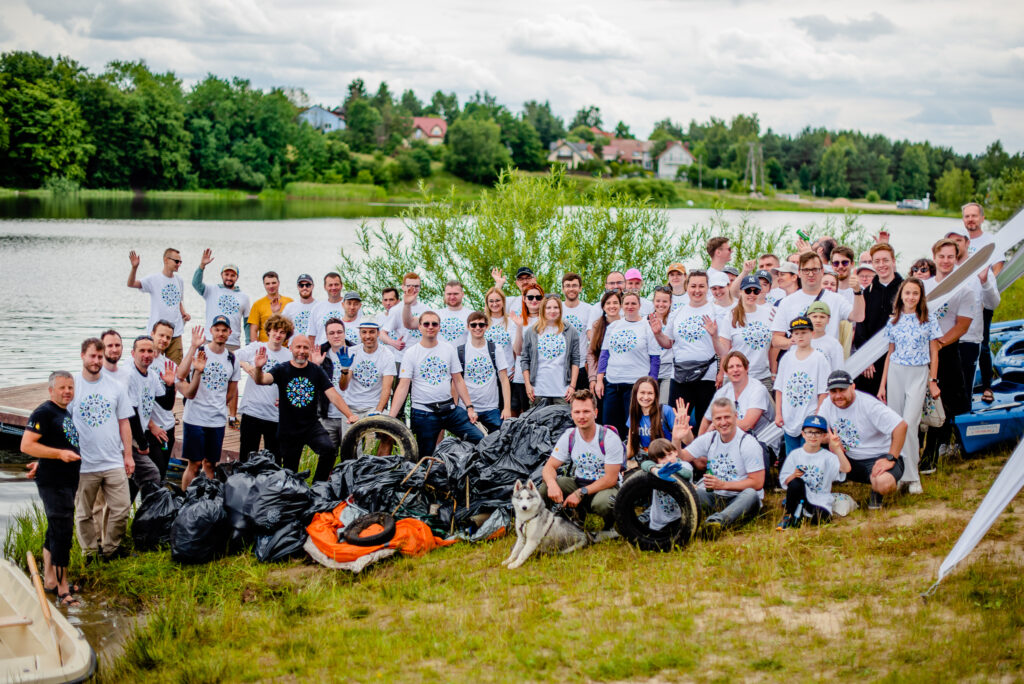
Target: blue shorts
(202,443)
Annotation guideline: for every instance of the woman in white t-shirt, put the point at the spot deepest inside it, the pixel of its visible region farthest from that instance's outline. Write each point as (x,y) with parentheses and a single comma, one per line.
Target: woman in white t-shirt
(692,330)
(528,314)
(747,329)
(662,310)
(551,356)
(500,328)
(611,305)
(752,401)
(629,351)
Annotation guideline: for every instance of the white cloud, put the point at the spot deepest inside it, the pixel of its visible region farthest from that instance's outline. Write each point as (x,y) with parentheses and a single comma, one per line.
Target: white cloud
(570,38)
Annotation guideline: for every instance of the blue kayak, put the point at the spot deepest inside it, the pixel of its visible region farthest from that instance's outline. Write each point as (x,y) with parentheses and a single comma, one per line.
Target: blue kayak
(1009,360)
(990,424)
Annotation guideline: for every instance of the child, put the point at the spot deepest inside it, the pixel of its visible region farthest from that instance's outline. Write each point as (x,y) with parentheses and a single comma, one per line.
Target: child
(819,313)
(664,509)
(808,474)
(800,385)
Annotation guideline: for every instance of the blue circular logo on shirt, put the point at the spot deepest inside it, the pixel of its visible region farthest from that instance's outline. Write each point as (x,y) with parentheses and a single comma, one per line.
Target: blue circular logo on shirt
(228,304)
(497,335)
(574,320)
(433,370)
(301,322)
(215,376)
(756,335)
(299,392)
(170,295)
(623,341)
(70,431)
(848,433)
(691,329)
(452,328)
(365,373)
(95,410)
(146,402)
(551,346)
(799,389)
(479,370)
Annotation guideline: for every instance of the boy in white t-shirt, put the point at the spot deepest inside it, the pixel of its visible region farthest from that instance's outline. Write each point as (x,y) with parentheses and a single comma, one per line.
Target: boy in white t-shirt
(808,474)
(819,315)
(801,384)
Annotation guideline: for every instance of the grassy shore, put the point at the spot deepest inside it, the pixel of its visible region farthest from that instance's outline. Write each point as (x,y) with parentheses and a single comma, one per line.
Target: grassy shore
(838,602)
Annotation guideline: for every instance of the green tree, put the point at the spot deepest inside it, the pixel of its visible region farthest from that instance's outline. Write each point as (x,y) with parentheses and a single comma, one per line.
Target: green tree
(582,132)
(524,144)
(543,221)
(669,130)
(446,106)
(475,151)
(363,124)
(834,162)
(913,175)
(622,131)
(411,103)
(589,116)
(1007,195)
(954,188)
(548,126)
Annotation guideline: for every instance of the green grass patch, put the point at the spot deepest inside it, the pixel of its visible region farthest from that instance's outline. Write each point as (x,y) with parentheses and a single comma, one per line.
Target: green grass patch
(336,191)
(1011,305)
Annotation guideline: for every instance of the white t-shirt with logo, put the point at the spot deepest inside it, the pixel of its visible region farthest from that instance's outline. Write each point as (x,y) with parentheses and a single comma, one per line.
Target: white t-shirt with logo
(774,296)
(260,401)
(548,378)
(586,458)
(430,370)
(500,335)
(209,407)
(801,381)
(753,340)
(730,461)
(352,338)
(514,329)
(833,351)
(959,304)
(221,301)
(679,300)
(690,341)
(795,305)
(579,318)
(453,325)
(300,315)
(164,300)
(820,470)
(630,346)
(143,391)
(865,426)
(482,377)
(163,418)
(366,376)
(753,396)
(397,331)
(320,314)
(96,410)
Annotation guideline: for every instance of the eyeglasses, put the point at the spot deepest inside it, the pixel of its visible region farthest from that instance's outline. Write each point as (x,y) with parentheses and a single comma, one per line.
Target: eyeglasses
(411,286)
(478,324)
(810,271)
(430,324)
(534,298)
(751,290)
(841,262)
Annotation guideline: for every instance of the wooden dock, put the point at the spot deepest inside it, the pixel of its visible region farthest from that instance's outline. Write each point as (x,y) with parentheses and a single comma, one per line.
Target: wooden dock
(17,404)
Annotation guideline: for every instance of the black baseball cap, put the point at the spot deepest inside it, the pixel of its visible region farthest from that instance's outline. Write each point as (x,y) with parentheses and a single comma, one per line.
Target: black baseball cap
(523,271)
(305,278)
(800,323)
(839,379)
(352,294)
(220,319)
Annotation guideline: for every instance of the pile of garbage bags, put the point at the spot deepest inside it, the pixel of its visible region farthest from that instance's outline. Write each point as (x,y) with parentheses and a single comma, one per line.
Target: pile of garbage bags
(463,492)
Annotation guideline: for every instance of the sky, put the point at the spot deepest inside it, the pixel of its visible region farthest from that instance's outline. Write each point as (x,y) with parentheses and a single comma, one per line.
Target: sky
(945,71)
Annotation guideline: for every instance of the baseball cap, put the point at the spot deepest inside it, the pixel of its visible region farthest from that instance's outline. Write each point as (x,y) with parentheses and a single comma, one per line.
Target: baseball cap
(817,422)
(229,267)
(220,319)
(718,280)
(523,271)
(676,267)
(750,282)
(819,307)
(800,323)
(839,379)
(861,267)
(305,278)
(958,230)
(787,267)
(634,274)
(766,275)
(350,295)
(369,323)
(731,270)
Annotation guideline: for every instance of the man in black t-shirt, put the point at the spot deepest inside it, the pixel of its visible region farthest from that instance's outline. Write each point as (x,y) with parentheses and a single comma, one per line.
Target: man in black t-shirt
(51,437)
(299,383)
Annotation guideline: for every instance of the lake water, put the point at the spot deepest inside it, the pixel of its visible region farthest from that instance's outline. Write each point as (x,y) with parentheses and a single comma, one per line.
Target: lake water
(64,279)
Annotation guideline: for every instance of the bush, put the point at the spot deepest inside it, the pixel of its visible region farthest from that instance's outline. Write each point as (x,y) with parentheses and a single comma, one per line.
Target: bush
(59,185)
(660,192)
(367,192)
(364,177)
(872,196)
(411,164)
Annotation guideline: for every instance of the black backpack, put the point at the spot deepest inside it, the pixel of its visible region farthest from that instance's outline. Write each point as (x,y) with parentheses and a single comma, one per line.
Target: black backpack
(491,351)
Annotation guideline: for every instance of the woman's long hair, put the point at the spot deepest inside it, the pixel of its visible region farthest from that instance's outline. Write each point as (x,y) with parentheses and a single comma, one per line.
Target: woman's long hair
(487,308)
(922,305)
(525,312)
(542,318)
(636,413)
(601,324)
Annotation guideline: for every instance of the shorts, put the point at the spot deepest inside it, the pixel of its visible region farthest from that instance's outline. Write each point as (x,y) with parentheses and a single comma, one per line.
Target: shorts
(202,443)
(860,469)
(174,351)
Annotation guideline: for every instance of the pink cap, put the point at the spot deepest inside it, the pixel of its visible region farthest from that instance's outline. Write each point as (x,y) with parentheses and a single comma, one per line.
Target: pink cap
(633,274)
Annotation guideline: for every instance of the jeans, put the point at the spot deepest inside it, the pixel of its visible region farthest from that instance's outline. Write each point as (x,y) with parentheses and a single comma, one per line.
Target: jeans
(490,420)
(729,510)
(985,359)
(145,471)
(427,425)
(796,492)
(616,404)
(252,430)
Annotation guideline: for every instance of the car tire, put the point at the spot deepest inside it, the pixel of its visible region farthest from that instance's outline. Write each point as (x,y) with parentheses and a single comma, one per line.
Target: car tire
(635,496)
(354,536)
(392,427)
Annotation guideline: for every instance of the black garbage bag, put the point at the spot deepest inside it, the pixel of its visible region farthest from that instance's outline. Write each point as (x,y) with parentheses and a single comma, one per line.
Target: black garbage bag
(375,484)
(327,494)
(239,489)
(457,457)
(200,531)
(278,498)
(285,542)
(151,527)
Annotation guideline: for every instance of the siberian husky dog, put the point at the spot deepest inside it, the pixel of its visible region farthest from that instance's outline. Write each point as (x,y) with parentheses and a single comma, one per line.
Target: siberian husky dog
(538,529)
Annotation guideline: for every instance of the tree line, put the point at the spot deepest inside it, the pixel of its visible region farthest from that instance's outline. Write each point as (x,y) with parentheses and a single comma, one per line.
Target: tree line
(129,127)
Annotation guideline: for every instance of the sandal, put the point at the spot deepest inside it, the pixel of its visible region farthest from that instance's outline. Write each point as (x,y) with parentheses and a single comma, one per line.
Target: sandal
(74,588)
(68,600)
(987,396)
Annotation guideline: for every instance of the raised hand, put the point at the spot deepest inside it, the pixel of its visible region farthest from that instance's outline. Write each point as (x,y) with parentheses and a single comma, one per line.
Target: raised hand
(344,358)
(711,326)
(749,265)
(316,355)
(260,360)
(655,321)
(198,335)
(199,363)
(206,258)
(498,278)
(168,374)
(134,259)
(833,439)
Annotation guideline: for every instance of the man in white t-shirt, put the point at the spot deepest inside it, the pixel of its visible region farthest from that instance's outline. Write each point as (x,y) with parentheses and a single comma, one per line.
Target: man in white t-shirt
(872,435)
(388,298)
(400,336)
(371,374)
(720,253)
(146,387)
(576,312)
(795,305)
(259,408)
(324,311)
(162,440)
(113,349)
(352,303)
(208,379)
(974,218)
(454,315)
(430,370)
(485,370)
(733,465)
(300,311)
(224,299)
(596,456)
(165,290)
(100,412)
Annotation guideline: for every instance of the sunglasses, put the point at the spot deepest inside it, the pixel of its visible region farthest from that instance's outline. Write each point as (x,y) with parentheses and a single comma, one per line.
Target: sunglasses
(177,261)
(305,284)
(534,298)
(478,324)
(144,337)
(920,269)
(430,324)
(843,262)
(751,290)
(663,288)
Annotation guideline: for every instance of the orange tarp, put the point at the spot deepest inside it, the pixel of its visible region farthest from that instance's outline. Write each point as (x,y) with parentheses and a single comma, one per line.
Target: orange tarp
(412,537)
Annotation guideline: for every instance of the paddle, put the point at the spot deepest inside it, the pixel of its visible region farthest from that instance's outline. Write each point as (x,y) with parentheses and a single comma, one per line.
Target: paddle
(44,604)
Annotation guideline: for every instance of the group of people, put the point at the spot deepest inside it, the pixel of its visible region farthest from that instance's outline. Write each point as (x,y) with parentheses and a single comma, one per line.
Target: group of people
(693,373)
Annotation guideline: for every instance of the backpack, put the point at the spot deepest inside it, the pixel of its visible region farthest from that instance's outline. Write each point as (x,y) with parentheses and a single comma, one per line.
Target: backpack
(766,452)
(600,440)
(231,360)
(491,351)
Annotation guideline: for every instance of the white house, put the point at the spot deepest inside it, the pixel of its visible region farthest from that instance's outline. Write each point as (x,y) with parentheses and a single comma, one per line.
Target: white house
(322,119)
(572,154)
(672,158)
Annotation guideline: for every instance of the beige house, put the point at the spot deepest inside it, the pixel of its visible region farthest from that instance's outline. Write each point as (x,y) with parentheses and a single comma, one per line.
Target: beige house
(429,128)
(572,154)
(675,156)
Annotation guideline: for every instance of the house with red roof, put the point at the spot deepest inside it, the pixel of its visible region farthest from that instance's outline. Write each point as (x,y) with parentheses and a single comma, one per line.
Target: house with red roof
(429,128)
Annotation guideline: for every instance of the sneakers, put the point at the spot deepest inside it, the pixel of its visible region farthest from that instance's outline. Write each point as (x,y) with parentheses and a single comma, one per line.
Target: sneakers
(914,488)
(928,471)
(874,501)
(712,530)
(785,523)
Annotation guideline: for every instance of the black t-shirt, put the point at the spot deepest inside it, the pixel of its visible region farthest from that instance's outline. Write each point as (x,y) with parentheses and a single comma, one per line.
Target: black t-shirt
(56,429)
(298,390)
